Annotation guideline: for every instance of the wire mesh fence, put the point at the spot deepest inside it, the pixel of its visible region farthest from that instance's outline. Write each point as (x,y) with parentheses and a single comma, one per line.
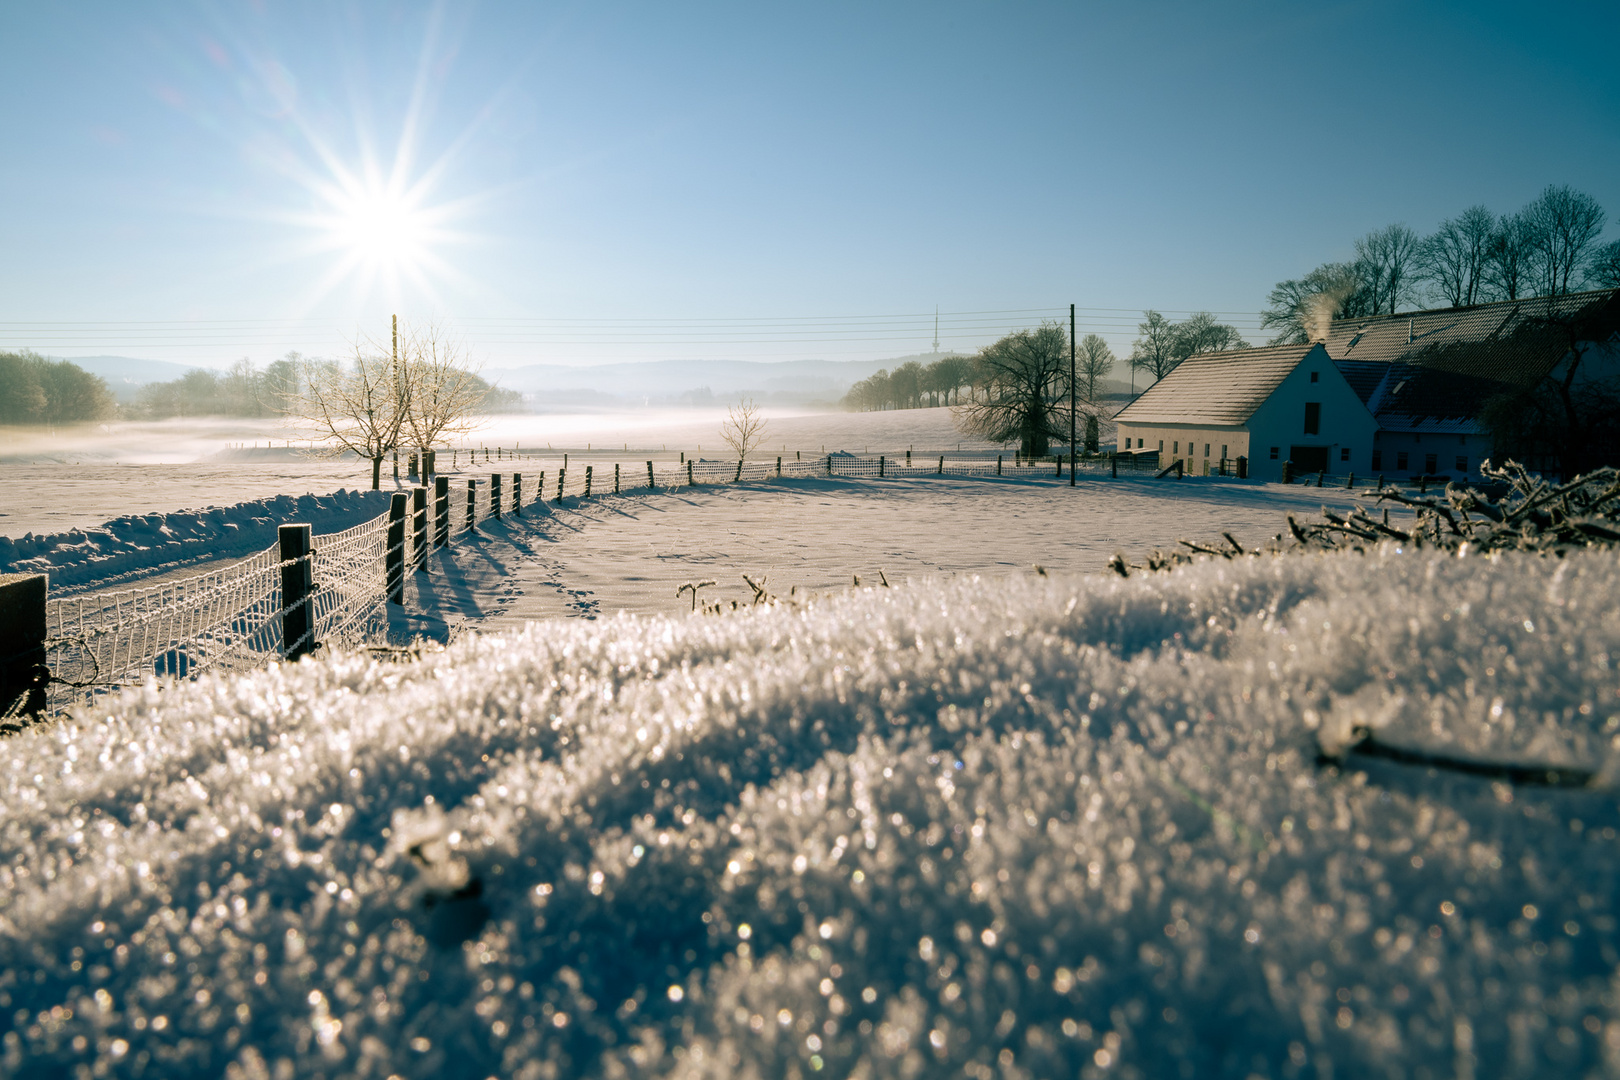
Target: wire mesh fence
(221,620)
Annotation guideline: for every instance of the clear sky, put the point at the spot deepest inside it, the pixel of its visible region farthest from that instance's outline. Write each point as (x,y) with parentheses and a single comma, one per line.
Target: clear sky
(575,183)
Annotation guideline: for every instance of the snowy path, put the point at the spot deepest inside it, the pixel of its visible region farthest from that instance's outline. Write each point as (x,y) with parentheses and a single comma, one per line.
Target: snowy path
(631,552)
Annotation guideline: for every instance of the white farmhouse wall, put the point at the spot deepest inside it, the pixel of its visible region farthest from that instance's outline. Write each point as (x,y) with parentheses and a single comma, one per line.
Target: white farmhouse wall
(1280,421)
(1188,442)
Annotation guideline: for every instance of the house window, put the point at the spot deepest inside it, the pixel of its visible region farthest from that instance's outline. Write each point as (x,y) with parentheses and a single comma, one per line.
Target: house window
(1273,453)
(1462,463)
(1344,454)
(1314,376)
(1313,418)
(1206,449)
(1431,463)
(1223,451)
(1161,446)
(1400,461)
(1378,460)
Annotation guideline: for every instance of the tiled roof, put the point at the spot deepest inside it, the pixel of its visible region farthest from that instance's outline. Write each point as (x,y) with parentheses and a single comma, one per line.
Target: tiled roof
(1412,397)
(1363,376)
(1509,342)
(1222,388)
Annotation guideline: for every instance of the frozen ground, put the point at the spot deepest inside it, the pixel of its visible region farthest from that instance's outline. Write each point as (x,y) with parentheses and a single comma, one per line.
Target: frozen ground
(1033,827)
(631,552)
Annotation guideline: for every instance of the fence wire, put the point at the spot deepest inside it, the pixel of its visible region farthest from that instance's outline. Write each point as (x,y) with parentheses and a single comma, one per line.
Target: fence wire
(222,620)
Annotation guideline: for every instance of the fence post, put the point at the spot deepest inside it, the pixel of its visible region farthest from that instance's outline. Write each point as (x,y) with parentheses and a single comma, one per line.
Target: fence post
(562,479)
(429,463)
(472,505)
(441,511)
(1059,459)
(297,591)
(419,525)
(941,465)
(495,496)
(1243,466)
(829,465)
(23,674)
(615,478)
(588,481)
(1113,465)
(517,494)
(410,473)
(880,466)
(1288,471)
(738,478)
(689,480)
(395,561)
(998,464)
(1320,477)
(540,488)
(649,475)
(779,466)
(1350,483)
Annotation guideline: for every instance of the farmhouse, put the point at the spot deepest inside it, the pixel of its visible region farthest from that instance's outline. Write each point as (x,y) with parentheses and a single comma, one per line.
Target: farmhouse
(1399,394)
(1271,405)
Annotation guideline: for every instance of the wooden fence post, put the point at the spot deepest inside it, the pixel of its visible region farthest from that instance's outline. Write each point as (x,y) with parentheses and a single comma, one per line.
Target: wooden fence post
(649,475)
(419,523)
(588,469)
(941,465)
(23,674)
(517,494)
(441,511)
(540,488)
(472,506)
(880,466)
(779,466)
(410,473)
(395,560)
(562,479)
(1320,477)
(1288,471)
(297,591)
(615,478)
(689,480)
(998,464)
(1243,466)
(1350,483)
(829,465)
(1059,459)
(495,496)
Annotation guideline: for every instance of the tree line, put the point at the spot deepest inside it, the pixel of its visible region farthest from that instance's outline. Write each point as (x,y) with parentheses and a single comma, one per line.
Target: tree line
(1549,247)
(914,385)
(36,390)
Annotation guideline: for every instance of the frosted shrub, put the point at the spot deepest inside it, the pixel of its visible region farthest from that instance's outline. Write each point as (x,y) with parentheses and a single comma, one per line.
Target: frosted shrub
(1045,827)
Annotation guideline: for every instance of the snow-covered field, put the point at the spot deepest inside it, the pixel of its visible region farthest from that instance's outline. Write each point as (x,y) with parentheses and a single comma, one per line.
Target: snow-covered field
(631,552)
(1072,826)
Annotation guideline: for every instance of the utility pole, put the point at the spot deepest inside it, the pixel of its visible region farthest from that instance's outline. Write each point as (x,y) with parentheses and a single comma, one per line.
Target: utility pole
(936,328)
(1073,458)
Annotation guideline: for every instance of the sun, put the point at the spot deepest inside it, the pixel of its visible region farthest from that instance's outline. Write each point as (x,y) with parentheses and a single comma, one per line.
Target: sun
(381,231)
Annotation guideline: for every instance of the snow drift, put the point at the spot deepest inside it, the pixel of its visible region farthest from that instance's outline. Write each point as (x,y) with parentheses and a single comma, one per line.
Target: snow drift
(126,546)
(1028,827)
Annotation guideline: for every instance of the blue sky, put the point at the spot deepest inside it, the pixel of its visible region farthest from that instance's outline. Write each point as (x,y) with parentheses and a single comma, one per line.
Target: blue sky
(594,182)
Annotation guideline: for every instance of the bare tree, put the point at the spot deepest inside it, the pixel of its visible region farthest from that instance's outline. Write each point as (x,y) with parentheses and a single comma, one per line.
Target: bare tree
(1507,266)
(1385,261)
(1026,378)
(1301,309)
(357,408)
(1155,348)
(1604,271)
(1094,361)
(1453,260)
(1563,226)
(1200,333)
(744,428)
(445,391)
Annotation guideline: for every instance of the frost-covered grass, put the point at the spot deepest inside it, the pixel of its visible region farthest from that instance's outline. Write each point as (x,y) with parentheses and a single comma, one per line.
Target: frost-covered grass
(1030,827)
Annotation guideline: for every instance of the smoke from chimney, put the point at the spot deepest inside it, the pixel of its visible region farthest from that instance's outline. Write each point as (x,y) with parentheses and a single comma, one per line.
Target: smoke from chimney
(1316,311)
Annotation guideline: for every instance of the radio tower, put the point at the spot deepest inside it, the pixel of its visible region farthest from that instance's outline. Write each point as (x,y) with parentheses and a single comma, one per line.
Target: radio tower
(936,328)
